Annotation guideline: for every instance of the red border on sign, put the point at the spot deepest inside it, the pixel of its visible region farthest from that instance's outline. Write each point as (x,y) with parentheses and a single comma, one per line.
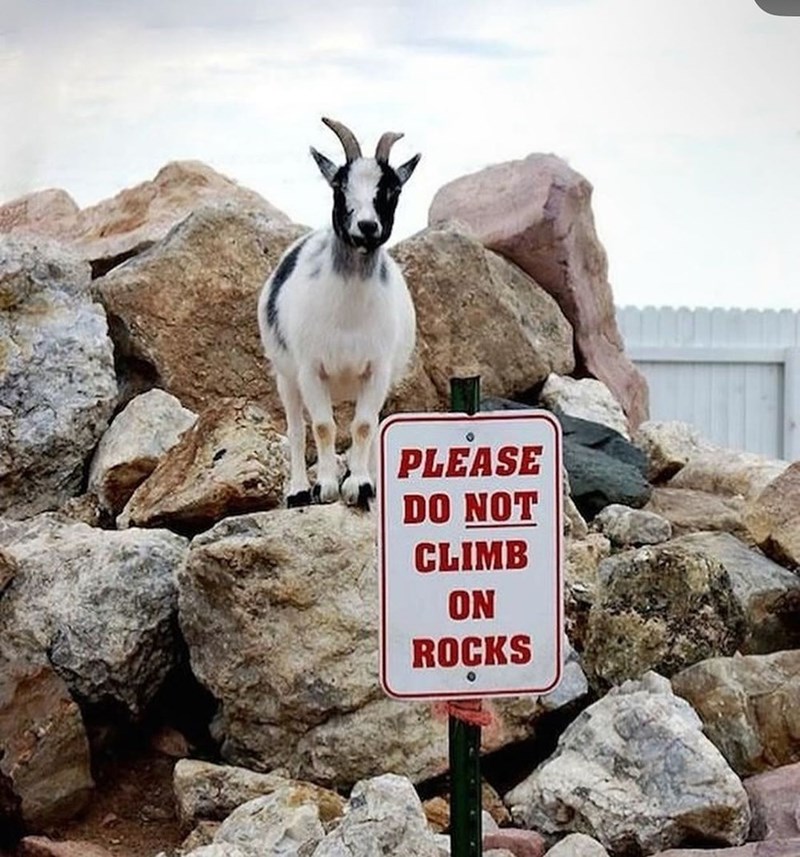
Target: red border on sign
(479,417)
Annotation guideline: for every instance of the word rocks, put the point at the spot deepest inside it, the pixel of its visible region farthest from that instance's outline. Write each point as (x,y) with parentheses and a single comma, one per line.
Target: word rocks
(470,554)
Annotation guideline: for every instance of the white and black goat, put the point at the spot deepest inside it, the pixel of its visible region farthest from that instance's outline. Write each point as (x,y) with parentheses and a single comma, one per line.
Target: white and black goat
(337,321)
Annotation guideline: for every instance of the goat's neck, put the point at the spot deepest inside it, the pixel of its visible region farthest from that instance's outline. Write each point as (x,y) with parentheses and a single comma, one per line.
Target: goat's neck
(351,263)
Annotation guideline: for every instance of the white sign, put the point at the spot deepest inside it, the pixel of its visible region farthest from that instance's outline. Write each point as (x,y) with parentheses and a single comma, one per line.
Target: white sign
(470,554)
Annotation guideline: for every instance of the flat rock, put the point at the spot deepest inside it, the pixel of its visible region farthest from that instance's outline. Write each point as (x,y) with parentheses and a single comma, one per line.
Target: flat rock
(45,753)
(537,213)
(57,381)
(773,517)
(100,603)
(41,846)
(184,317)
(635,772)
(750,707)
(775,803)
(208,792)
(689,510)
(231,461)
(476,314)
(769,595)
(137,439)
(627,527)
(113,230)
(660,607)
(726,471)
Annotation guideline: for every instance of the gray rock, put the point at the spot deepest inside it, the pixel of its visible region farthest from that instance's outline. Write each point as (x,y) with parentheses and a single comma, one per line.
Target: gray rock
(100,603)
(137,439)
(661,607)
(57,382)
(384,816)
(768,594)
(750,707)
(628,527)
(578,845)
(635,771)
(586,398)
(285,823)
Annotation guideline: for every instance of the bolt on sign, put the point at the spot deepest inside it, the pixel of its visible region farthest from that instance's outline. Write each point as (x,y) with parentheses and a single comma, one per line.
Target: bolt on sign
(470,554)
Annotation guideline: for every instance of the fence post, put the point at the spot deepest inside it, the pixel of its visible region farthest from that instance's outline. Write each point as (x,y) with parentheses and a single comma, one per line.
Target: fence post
(466,839)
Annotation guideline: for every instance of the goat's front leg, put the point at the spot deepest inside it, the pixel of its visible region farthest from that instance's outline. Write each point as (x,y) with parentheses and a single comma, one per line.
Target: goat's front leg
(299,493)
(317,399)
(358,487)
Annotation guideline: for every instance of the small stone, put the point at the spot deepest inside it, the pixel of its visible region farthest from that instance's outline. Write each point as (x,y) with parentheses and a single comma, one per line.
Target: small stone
(521,843)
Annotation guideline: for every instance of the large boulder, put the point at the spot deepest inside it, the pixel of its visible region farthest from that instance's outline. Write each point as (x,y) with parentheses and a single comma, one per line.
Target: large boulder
(773,517)
(768,594)
(57,382)
(100,603)
(137,439)
(476,314)
(44,752)
(537,213)
(230,462)
(635,771)
(115,229)
(750,707)
(660,607)
(183,314)
(301,585)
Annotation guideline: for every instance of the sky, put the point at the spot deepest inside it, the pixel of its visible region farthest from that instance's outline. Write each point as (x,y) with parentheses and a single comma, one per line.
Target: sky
(684,114)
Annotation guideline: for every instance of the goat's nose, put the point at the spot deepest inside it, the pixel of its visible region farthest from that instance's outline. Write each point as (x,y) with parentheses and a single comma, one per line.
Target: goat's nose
(368,228)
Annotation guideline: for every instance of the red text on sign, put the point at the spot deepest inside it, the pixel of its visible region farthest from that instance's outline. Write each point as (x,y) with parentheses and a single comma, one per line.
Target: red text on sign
(461,461)
(499,506)
(497,555)
(478,604)
(495,650)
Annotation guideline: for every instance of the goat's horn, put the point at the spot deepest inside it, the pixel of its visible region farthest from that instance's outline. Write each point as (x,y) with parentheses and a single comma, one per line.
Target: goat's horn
(384,146)
(352,150)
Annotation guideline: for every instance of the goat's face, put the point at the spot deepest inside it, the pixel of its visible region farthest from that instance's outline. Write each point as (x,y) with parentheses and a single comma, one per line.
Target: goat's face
(365,190)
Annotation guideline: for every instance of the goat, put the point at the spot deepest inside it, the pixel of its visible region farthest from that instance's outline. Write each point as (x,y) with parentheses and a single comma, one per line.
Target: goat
(337,321)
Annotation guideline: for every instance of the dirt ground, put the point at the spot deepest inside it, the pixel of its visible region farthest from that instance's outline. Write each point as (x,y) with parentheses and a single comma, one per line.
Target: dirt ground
(132,813)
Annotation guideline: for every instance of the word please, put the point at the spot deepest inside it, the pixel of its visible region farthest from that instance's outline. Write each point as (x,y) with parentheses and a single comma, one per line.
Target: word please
(471,461)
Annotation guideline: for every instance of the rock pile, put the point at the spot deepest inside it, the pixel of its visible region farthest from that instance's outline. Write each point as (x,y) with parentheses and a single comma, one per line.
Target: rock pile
(144,548)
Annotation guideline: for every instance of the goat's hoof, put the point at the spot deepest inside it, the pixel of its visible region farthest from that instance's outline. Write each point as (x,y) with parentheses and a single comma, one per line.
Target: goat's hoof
(357,493)
(298,499)
(325,492)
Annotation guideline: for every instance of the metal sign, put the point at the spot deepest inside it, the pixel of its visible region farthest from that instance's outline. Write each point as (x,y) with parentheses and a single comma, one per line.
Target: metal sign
(470,553)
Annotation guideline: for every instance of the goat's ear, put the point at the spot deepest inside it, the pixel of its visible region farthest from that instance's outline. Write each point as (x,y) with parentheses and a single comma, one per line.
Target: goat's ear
(404,170)
(326,166)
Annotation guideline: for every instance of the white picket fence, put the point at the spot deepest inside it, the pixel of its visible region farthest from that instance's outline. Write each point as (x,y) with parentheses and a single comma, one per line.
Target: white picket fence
(735,374)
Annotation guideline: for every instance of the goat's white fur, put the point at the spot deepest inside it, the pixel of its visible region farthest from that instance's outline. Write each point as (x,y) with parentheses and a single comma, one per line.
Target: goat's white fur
(341,337)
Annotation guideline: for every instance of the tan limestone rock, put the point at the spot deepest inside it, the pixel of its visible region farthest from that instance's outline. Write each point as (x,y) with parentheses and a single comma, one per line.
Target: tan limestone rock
(773,517)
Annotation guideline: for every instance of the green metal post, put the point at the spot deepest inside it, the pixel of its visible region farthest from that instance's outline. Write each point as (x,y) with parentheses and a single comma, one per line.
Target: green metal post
(465,738)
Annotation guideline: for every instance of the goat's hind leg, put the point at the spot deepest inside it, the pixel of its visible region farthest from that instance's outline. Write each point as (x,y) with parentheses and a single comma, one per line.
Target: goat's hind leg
(299,493)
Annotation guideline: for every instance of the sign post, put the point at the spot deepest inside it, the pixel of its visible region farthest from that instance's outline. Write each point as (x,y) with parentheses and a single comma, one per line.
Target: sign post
(470,526)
